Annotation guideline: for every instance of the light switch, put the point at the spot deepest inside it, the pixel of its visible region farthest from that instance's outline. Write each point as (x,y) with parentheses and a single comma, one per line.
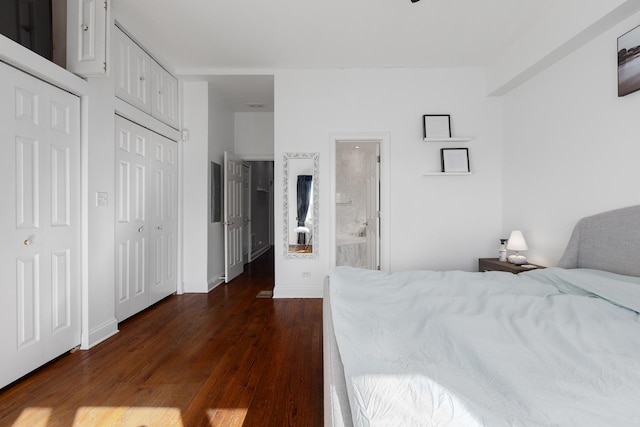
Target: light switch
(102,199)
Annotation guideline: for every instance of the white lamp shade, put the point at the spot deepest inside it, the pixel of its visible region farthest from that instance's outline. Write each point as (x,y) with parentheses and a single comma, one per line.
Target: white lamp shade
(516,241)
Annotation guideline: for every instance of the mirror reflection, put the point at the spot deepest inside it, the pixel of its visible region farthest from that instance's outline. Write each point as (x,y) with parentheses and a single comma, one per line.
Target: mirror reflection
(301,204)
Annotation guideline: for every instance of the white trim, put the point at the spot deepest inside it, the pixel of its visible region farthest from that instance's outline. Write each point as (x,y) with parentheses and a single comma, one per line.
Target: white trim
(85,333)
(258,157)
(134,114)
(256,254)
(30,62)
(100,333)
(214,283)
(196,287)
(297,292)
(384,139)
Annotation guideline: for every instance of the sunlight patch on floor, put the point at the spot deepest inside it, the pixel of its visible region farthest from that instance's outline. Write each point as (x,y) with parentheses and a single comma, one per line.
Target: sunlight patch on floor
(128,416)
(227,417)
(34,417)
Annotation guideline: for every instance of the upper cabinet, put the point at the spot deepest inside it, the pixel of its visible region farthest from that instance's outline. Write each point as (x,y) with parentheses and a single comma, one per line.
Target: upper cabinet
(132,72)
(87,41)
(142,82)
(164,95)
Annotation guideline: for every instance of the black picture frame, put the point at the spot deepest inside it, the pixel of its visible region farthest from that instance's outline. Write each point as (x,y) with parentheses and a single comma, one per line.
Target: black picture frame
(629,62)
(216,192)
(455,160)
(436,126)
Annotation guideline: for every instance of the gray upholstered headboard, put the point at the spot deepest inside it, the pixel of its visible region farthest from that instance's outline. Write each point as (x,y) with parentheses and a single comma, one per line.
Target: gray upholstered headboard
(607,241)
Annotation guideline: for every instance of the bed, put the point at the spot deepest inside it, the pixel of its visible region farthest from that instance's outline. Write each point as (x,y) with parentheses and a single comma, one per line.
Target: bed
(551,347)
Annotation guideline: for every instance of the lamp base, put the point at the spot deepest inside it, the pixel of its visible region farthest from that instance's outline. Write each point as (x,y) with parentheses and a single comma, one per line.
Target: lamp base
(517,259)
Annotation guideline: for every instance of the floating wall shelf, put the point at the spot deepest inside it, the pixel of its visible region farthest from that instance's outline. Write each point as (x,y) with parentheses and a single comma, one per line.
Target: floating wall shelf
(446,173)
(454,139)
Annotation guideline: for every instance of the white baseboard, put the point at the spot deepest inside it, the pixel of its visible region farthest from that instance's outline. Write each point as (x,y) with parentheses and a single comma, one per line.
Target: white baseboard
(195,287)
(297,292)
(214,283)
(98,334)
(258,252)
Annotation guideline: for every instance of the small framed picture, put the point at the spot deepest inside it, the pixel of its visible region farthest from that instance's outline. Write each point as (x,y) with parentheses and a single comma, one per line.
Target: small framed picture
(629,62)
(436,125)
(455,159)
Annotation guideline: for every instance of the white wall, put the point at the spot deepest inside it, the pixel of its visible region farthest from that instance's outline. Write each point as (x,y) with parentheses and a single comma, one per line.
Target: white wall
(195,112)
(571,147)
(435,222)
(221,139)
(254,135)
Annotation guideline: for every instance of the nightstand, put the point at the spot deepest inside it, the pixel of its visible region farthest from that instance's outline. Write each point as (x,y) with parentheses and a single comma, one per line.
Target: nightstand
(492,264)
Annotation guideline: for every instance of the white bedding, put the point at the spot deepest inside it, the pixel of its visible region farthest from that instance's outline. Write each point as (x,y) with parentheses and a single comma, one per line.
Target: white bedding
(489,349)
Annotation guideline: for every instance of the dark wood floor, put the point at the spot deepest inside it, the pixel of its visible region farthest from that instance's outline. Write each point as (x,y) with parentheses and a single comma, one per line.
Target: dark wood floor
(225,358)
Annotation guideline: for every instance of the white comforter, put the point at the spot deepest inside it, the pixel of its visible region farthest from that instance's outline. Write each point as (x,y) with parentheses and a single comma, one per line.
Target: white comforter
(489,349)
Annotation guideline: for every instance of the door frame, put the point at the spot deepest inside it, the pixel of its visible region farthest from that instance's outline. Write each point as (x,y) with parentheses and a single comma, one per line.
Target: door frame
(246,212)
(383,139)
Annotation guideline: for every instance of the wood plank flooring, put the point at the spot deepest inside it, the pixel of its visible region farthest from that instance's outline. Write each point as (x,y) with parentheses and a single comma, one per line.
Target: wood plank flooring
(225,358)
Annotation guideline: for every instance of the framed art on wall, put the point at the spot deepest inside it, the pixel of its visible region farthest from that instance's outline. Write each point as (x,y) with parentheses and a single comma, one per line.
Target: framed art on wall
(629,62)
(455,160)
(436,125)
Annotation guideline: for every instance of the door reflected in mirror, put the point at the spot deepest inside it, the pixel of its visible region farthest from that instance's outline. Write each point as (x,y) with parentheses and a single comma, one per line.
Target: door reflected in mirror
(301,205)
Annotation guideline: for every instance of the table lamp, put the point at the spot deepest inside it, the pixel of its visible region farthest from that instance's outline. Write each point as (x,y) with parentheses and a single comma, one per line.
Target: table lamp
(517,243)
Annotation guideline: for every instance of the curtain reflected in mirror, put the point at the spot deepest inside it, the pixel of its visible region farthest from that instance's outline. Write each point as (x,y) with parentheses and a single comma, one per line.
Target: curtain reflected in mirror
(301,205)
(304,199)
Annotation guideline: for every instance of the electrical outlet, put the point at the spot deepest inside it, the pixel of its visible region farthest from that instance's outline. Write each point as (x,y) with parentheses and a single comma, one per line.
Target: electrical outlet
(306,274)
(102,199)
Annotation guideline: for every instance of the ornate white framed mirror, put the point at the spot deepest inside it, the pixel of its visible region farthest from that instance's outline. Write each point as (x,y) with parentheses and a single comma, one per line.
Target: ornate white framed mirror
(301,205)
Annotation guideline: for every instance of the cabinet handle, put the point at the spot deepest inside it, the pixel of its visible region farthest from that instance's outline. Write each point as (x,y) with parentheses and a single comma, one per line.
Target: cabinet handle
(85,27)
(140,230)
(159,227)
(141,78)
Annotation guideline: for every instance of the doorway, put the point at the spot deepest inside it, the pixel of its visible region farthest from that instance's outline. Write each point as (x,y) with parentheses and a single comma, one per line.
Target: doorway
(357,204)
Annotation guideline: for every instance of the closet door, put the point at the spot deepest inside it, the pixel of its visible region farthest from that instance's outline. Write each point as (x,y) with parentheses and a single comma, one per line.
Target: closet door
(164,182)
(39,223)
(132,234)
(146,210)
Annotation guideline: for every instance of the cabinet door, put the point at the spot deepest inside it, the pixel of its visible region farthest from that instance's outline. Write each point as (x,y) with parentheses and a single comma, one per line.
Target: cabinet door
(39,223)
(133,72)
(164,96)
(87,38)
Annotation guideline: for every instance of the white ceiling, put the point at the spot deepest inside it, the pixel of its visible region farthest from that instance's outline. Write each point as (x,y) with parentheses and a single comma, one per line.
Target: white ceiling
(210,36)
(206,34)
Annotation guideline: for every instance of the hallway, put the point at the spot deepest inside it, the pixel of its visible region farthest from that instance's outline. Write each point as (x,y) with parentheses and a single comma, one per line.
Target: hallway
(225,358)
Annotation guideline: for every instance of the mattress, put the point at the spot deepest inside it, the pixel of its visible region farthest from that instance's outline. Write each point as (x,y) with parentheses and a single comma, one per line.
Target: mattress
(546,347)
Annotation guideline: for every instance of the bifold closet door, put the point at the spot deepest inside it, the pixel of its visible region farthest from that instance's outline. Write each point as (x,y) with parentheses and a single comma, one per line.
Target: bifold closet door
(164,222)
(146,218)
(132,241)
(39,223)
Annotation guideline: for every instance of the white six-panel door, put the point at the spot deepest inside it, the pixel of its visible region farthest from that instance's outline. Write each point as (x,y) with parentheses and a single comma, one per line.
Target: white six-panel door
(132,242)
(163,230)
(233,221)
(146,218)
(40,223)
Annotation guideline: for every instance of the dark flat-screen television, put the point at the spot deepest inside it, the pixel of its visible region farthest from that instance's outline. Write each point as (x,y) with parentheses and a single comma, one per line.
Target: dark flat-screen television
(28,22)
